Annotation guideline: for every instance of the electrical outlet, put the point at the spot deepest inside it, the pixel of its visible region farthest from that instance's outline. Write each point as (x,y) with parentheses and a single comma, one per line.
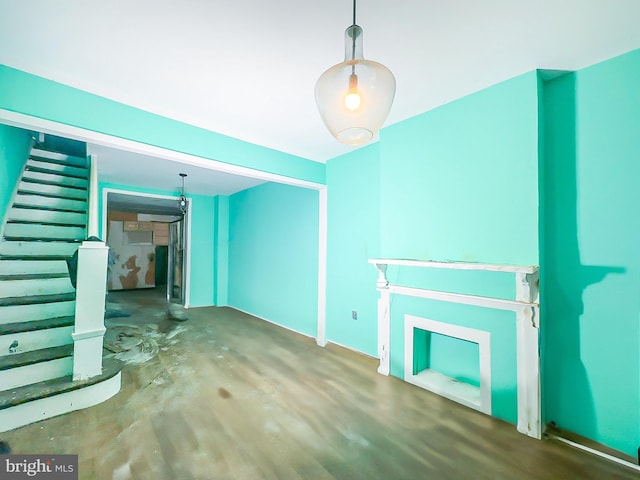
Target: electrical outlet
(354,314)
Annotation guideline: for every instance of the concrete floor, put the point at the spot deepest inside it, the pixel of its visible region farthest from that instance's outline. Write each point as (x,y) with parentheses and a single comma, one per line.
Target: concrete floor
(224,395)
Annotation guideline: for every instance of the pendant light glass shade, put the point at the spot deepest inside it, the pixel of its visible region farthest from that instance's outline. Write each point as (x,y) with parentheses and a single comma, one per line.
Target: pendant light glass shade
(354,97)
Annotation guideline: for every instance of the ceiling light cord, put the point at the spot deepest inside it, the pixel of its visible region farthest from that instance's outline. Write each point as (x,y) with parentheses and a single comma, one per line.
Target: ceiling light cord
(353,39)
(354,12)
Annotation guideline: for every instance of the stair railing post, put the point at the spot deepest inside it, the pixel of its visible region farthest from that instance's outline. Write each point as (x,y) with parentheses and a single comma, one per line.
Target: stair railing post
(92,226)
(91,287)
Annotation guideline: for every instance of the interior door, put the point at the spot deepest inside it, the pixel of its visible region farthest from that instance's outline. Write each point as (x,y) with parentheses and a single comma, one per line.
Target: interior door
(175,270)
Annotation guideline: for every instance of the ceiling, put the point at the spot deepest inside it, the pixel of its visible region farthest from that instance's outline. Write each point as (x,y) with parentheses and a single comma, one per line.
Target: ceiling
(129,168)
(247,68)
(123,202)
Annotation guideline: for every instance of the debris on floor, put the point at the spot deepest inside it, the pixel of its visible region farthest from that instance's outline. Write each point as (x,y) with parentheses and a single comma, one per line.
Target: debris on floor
(177,312)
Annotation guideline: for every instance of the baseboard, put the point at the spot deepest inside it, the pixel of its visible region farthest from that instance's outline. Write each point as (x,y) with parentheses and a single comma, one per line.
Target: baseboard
(591,446)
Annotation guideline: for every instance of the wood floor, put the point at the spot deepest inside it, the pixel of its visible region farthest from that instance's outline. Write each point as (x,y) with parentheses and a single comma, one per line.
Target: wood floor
(226,396)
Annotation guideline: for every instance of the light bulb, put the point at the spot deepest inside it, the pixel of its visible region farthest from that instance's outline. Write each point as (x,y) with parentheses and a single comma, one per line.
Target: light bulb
(352,100)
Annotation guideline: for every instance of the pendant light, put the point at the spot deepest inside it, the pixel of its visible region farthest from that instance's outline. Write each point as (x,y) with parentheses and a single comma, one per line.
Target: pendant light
(354,97)
(182,200)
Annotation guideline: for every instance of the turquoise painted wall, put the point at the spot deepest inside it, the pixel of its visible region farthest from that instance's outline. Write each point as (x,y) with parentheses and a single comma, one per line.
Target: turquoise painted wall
(353,237)
(38,97)
(590,258)
(461,183)
(202,288)
(15,145)
(273,255)
(203,241)
(221,260)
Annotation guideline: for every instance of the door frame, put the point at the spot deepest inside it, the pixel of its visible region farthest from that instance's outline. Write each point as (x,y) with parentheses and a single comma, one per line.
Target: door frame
(187,229)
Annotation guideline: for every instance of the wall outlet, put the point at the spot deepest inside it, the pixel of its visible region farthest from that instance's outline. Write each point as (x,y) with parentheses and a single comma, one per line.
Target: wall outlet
(354,314)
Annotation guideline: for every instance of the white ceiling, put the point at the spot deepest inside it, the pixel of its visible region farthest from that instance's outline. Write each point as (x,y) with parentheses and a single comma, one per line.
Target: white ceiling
(247,68)
(128,168)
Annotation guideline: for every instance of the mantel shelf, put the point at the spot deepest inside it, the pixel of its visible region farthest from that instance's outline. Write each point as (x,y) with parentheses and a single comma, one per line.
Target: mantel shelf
(455,265)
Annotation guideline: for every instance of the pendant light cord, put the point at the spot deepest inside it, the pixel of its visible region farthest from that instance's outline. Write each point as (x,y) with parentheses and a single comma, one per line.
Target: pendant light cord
(353,39)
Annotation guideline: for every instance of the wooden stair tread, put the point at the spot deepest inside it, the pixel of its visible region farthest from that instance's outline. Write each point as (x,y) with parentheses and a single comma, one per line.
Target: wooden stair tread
(42,239)
(51,182)
(53,171)
(35,299)
(44,208)
(35,356)
(33,276)
(43,155)
(17,396)
(22,191)
(35,258)
(42,222)
(33,325)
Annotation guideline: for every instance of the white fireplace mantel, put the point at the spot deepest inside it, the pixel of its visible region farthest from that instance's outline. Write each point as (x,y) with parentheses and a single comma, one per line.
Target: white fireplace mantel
(526,306)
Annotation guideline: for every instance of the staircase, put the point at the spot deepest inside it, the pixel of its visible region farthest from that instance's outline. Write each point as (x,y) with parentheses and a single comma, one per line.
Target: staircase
(45,225)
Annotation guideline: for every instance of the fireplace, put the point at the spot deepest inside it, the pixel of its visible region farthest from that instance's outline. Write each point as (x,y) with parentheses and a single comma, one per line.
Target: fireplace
(526,307)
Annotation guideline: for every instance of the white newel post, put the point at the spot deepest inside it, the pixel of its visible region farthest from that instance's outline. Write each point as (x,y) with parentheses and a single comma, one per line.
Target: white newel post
(528,348)
(384,318)
(93,214)
(90,300)
(91,287)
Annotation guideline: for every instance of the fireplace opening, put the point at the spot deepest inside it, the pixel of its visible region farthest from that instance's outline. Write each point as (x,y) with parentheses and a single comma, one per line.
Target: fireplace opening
(449,360)
(454,357)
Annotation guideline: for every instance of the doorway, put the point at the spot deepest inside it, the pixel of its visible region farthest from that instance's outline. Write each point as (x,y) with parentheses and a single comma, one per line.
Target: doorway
(175,262)
(148,237)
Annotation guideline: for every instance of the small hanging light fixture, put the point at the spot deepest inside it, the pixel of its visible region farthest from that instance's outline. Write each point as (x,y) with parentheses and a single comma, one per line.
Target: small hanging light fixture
(182,200)
(354,97)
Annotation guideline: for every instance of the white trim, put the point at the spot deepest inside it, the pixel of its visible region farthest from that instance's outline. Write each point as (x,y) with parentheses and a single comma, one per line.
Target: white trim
(456,265)
(92,214)
(27,122)
(469,395)
(593,451)
(488,302)
(187,283)
(321,333)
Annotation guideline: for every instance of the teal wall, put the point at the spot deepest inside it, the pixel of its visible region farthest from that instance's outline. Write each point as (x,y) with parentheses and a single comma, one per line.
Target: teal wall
(460,182)
(203,219)
(203,241)
(15,145)
(590,258)
(353,237)
(273,255)
(221,260)
(38,97)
